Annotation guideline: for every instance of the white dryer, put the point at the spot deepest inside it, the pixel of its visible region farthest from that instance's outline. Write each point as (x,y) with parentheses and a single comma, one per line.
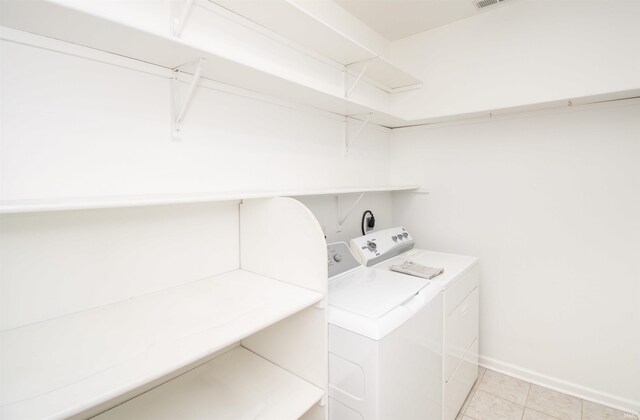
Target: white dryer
(460,286)
(385,343)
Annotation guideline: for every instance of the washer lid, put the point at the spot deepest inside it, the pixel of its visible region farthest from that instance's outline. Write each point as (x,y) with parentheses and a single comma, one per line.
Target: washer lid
(372,293)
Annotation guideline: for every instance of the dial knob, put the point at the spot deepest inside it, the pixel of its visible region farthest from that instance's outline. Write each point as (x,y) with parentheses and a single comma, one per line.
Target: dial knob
(395,238)
(406,235)
(337,258)
(400,237)
(372,246)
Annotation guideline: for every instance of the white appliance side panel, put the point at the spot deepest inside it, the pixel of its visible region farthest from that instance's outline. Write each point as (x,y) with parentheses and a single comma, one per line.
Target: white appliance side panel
(411,366)
(354,375)
(458,386)
(461,330)
(460,289)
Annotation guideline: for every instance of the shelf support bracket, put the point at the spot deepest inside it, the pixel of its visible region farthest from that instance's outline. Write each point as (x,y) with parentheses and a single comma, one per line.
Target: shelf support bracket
(179,110)
(358,78)
(344,218)
(179,21)
(349,141)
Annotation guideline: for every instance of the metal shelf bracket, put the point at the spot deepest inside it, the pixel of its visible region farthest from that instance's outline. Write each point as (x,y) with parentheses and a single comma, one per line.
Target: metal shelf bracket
(179,110)
(179,19)
(344,218)
(348,90)
(349,141)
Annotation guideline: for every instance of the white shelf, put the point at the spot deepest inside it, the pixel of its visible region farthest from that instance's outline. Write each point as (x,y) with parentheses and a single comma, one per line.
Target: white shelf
(82,28)
(236,385)
(288,19)
(60,367)
(386,75)
(353,190)
(29,206)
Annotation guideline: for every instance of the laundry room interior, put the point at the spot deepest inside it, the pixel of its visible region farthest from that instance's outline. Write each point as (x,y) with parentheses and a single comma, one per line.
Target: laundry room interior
(320,209)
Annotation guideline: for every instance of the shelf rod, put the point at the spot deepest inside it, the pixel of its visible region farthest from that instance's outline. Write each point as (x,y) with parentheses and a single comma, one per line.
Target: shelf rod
(177,121)
(364,69)
(178,24)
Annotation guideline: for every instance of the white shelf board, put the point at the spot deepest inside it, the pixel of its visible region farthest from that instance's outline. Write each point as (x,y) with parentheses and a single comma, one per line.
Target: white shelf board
(353,190)
(42,17)
(288,19)
(386,75)
(236,385)
(29,206)
(61,367)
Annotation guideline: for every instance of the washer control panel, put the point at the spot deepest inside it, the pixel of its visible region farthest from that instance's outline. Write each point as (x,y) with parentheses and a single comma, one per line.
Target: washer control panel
(340,259)
(381,245)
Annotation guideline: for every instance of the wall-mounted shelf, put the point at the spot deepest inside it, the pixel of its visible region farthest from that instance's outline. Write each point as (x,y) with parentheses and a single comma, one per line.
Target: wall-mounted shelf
(29,206)
(236,385)
(118,37)
(385,75)
(290,20)
(96,355)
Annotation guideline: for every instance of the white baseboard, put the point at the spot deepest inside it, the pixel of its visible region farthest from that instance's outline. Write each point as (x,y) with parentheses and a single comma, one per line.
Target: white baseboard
(560,385)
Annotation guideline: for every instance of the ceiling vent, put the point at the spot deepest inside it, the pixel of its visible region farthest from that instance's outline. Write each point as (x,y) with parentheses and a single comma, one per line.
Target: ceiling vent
(486,3)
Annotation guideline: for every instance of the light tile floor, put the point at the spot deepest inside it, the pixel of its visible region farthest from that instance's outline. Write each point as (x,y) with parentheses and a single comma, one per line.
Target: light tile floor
(495,396)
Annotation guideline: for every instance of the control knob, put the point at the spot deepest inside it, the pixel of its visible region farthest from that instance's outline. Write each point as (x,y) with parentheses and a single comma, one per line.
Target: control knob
(372,246)
(337,258)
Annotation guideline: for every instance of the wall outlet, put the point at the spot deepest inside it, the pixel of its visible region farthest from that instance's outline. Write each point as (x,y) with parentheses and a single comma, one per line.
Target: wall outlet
(366,224)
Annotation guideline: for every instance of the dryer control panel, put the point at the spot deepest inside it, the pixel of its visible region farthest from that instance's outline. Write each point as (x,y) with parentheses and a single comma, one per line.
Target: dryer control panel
(381,245)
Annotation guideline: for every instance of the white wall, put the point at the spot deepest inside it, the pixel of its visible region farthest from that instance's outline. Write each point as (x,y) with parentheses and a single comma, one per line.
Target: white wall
(58,263)
(551,205)
(74,127)
(82,123)
(520,53)
(324,208)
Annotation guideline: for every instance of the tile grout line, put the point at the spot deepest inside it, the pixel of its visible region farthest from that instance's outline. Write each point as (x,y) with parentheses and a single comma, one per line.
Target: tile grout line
(497,396)
(473,393)
(543,413)
(526,403)
(526,400)
(502,398)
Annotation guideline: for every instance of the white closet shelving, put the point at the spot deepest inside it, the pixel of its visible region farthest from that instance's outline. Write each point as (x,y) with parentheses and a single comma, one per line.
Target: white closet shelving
(236,385)
(59,367)
(264,325)
(108,33)
(290,20)
(28,206)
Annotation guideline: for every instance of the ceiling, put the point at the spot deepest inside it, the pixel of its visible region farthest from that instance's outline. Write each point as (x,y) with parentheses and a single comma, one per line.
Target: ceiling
(396,19)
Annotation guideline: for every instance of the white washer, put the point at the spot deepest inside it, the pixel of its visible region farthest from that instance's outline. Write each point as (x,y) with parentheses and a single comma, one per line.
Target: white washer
(385,343)
(460,286)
